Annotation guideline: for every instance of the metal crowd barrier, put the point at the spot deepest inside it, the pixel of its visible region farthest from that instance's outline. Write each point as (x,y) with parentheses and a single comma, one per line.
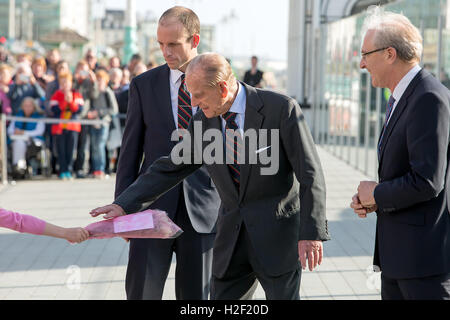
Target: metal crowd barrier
(3,147)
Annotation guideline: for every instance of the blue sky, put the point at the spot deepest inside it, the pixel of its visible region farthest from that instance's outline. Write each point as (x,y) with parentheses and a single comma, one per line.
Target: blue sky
(260,26)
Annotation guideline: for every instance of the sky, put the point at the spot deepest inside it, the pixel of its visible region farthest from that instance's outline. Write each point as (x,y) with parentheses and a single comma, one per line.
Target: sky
(259,27)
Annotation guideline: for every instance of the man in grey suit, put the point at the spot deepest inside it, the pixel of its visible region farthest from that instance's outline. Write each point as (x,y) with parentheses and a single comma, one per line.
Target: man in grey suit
(158,105)
(268,220)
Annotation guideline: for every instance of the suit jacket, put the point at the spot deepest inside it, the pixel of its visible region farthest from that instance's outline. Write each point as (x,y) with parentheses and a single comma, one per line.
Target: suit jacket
(277,210)
(147,133)
(413,224)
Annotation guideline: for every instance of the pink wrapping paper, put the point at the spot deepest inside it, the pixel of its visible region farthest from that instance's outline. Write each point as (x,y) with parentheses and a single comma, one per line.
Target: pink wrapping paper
(145,224)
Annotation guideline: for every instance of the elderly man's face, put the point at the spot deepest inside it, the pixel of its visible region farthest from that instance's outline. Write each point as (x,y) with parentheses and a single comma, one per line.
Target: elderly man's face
(373,62)
(176,45)
(210,99)
(28,107)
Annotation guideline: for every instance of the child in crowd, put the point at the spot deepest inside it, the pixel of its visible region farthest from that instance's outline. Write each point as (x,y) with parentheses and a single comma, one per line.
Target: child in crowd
(66,104)
(29,224)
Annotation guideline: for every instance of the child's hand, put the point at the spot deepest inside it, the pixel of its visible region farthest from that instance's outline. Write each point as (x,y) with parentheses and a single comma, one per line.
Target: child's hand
(76,235)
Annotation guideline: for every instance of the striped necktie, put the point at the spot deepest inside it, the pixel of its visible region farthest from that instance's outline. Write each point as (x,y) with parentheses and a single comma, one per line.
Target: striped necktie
(233,143)
(184,105)
(388,114)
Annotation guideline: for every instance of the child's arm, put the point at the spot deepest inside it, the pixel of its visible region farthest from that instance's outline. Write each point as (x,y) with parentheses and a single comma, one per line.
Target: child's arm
(29,224)
(73,235)
(21,222)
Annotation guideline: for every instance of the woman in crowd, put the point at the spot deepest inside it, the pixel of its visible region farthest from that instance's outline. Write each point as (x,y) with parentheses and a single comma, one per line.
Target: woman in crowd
(103,107)
(5,82)
(24,85)
(22,134)
(66,104)
(39,68)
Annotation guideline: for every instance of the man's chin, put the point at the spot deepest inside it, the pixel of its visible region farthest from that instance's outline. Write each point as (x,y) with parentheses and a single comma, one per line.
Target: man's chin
(208,114)
(172,65)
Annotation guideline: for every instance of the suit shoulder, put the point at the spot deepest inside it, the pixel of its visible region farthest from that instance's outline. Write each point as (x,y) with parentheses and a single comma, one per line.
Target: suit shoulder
(276,99)
(149,75)
(431,88)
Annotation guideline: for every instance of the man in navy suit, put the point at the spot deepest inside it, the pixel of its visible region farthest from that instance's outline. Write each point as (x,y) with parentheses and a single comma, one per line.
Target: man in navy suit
(158,105)
(412,196)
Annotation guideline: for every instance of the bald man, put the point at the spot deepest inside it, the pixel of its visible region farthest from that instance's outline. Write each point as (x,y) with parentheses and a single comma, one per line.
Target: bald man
(267,224)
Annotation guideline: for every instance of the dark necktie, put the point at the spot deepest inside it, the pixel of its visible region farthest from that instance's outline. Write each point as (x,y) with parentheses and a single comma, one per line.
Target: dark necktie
(232,144)
(184,106)
(389,107)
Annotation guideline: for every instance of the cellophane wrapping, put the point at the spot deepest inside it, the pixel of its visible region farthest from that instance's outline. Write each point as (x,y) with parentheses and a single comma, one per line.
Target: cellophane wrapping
(146,224)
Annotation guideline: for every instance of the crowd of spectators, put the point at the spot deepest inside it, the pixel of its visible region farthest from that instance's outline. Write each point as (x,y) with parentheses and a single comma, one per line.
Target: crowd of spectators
(43,87)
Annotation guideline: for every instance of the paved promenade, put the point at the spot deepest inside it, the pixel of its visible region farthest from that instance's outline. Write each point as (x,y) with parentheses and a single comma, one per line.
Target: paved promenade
(38,267)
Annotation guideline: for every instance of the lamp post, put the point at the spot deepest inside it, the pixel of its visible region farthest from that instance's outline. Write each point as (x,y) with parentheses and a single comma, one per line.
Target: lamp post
(12,20)
(130,47)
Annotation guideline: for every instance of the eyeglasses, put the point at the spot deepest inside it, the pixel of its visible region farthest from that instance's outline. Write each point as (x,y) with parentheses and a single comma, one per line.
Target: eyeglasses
(365,54)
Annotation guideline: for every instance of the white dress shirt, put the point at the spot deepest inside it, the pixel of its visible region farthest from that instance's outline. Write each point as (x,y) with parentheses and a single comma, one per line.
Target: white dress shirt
(238,107)
(175,83)
(402,85)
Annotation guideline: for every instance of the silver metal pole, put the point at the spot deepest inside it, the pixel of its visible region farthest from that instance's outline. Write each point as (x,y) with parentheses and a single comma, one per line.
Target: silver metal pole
(439,46)
(367,126)
(377,124)
(4,157)
(12,19)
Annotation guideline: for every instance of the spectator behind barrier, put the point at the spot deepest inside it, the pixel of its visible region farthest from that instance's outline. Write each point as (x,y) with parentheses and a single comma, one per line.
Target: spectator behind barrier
(103,107)
(22,134)
(66,104)
(24,85)
(5,82)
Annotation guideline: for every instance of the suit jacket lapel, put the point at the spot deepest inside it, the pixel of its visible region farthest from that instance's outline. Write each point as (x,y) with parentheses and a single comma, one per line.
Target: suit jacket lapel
(253,120)
(222,169)
(401,106)
(162,93)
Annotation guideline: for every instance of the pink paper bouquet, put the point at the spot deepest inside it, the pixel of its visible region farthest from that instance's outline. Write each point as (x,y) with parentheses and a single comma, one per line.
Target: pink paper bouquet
(145,224)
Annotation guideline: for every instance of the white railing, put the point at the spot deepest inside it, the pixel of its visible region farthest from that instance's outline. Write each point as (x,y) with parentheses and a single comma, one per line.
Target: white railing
(3,147)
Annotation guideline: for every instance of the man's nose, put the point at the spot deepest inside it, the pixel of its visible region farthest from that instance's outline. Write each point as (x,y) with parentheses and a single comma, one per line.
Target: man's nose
(362,63)
(166,51)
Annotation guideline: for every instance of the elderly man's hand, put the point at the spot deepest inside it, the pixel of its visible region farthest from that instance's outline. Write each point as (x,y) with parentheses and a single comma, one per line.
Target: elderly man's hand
(110,211)
(359,209)
(311,250)
(365,193)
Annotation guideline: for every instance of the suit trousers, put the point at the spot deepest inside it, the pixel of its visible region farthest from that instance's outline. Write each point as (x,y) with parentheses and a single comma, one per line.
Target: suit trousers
(150,260)
(428,288)
(244,272)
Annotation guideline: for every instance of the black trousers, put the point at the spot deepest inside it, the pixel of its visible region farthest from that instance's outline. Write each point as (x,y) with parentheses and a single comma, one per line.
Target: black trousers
(150,259)
(428,288)
(244,272)
(81,148)
(65,144)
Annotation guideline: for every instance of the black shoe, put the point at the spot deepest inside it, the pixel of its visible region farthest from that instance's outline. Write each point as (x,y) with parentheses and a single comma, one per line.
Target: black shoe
(18,173)
(80,175)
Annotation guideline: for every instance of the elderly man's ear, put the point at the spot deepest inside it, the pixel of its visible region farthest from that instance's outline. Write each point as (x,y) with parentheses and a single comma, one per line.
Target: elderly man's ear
(223,85)
(392,55)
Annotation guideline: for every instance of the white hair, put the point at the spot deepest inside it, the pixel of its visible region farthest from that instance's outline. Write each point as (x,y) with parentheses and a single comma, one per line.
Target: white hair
(117,71)
(396,31)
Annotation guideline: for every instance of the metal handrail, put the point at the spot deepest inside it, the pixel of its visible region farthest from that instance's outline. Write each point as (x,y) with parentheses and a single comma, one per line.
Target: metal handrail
(3,147)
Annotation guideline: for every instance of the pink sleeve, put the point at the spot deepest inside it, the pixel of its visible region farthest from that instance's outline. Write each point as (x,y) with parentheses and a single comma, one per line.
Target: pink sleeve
(21,222)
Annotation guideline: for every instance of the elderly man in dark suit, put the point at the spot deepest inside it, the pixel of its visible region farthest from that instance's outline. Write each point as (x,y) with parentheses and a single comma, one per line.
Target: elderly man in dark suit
(272,213)
(158,105)
(412,196)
